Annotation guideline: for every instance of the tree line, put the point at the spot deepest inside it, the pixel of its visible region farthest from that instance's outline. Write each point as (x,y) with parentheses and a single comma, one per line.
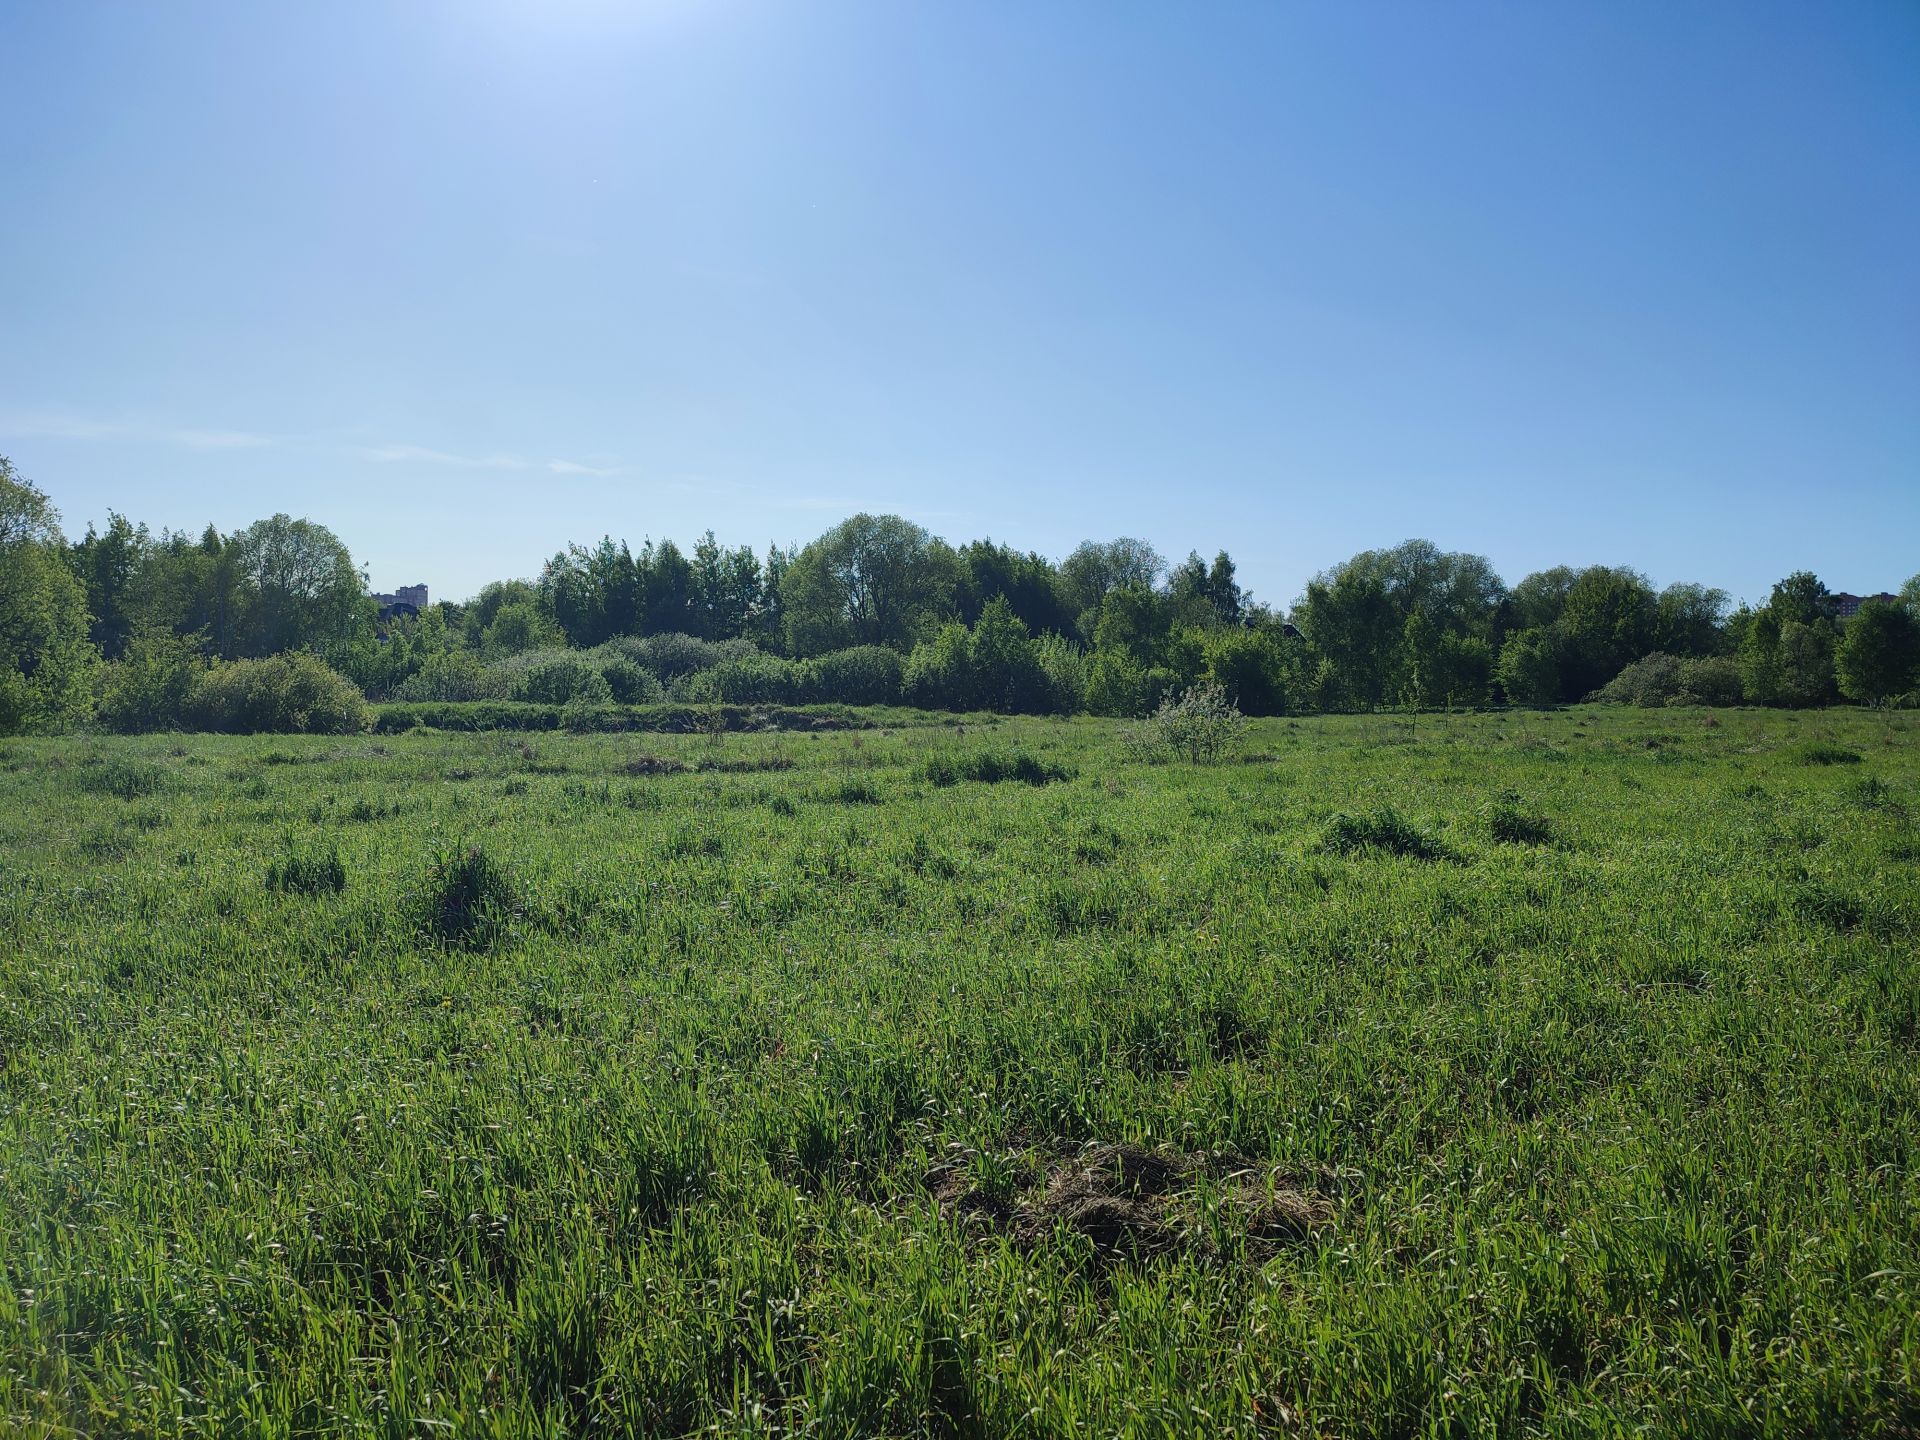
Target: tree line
(139,629)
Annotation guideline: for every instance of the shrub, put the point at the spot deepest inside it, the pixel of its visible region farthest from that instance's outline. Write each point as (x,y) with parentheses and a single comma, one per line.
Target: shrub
(311,871)
(1384,829)
(630,684)
(455,676)
(565,680)
(465,898)
(1200,726)
(1115,685)
(1065,667)
(939,673)
(1248,666)
(672,655)
(991,767)
(1711,680)
(148,688)
(1660,679)
(755,679)
(290,694)
(862,675)
(1651,681)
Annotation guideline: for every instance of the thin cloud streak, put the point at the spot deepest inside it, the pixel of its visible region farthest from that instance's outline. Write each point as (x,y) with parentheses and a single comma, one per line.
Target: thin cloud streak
(424,455)
(62,424)
(219,439)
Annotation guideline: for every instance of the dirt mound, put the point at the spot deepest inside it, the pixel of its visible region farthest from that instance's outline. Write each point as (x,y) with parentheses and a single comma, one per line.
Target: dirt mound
(1133,1203)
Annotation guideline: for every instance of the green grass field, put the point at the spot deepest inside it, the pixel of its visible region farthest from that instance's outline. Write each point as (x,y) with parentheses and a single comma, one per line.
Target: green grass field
(1490,1075)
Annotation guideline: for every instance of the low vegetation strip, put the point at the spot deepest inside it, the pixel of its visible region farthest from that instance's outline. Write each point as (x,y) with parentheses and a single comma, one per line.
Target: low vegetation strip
(472,715)
(1480,1074)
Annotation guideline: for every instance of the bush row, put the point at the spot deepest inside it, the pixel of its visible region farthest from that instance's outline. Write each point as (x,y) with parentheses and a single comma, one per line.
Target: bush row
(671,719)
(294,693)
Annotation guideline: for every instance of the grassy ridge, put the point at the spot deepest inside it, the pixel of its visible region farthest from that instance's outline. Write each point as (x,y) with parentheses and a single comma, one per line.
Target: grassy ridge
(1506,1073)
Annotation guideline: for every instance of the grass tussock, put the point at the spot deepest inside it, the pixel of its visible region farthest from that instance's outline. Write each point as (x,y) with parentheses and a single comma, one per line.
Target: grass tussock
(125,778)
(308,870)
(990,767)
(1383,830)
(465,899)
(1511,820)
(1823,752)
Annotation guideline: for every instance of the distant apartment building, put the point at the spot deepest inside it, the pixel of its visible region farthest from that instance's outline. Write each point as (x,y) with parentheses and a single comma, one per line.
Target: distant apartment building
(1845,605)
(407,600)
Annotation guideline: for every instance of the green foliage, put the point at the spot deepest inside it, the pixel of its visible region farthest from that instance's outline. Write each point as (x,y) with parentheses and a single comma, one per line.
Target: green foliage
(1529,668)
(457,675)
(1199,726)
(994,666)
(1360,617)
(861,675)
(47,659)
(1670,680)
(1097,568)
(747,680)
(870,580)
(629,684)
(291,694)
(149,687)
(1879,653)
(519,627)
(300,587)
(1804,661)
(1116,685)
(1250,667)
(562,679)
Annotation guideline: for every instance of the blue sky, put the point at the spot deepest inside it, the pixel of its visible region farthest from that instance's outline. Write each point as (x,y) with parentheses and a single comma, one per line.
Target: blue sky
(1624,282)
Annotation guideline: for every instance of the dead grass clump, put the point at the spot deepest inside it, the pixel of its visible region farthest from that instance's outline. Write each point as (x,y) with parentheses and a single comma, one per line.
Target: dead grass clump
(1132,1203)
(653,765)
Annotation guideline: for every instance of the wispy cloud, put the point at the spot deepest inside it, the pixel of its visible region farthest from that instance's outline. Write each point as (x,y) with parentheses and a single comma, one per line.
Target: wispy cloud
(219,439)
(816,502)
(54,425)
(421,455)
(63,424)
(424,455)
(574,467)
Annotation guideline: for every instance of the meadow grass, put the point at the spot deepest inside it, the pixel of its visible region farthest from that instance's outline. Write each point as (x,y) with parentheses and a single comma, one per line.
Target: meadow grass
(1511,1074)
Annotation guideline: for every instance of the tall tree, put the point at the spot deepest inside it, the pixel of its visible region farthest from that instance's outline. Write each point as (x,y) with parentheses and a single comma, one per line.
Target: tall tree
(870,580)
(109,566)
(1096,568)
(1879,653)
(300,586)
(46,657)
